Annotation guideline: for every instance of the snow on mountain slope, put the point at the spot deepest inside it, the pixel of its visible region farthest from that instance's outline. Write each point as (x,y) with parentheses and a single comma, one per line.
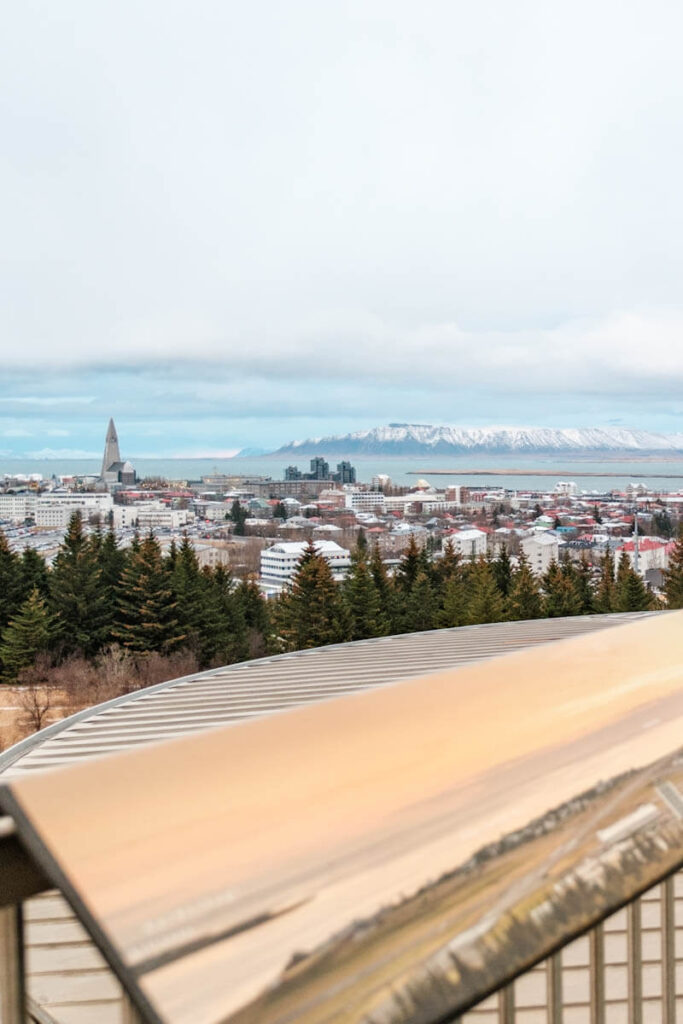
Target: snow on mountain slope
(415,438)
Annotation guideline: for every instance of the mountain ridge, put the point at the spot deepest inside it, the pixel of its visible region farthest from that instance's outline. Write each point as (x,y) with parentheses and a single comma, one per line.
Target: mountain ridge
(421,438)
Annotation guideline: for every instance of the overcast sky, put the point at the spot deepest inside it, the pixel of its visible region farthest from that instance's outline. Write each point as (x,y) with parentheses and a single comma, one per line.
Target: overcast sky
(230,223)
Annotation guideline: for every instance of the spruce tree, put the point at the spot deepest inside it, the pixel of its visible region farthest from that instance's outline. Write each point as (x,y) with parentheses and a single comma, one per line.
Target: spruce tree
(454,604)
(450,588)
(485,601)
(420,606)
(410,566)
(502,570)
(78,595)
(361,549)
(112,560)
(239,516)
(561,596)
(223,632)
(366,616)
(583,584)
(146,608)
(524,597)
(605,595)
(10,582)
(254,607)
(26,636)
(449,566)
(311,613)
(33,574)
(189,594)
(631,593)
(388,598)
(673,577)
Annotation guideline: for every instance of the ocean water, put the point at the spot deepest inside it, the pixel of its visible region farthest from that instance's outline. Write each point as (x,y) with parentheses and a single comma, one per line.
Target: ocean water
(540,472)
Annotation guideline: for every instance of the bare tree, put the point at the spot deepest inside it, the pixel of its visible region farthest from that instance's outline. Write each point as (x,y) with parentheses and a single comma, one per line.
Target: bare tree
(36,704)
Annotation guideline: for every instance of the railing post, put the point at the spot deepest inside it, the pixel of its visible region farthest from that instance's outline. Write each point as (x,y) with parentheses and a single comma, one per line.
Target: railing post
(634,958)
(668,952)
(506,1004)
(597,974)
(12,990)
(130,1014)
(554,988)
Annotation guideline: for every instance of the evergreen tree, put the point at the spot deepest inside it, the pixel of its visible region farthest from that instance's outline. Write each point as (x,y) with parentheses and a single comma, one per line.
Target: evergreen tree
(561,596)
(583,584)
(631,593)
(604,600)
(454,604)
(238,515)
(524,597)
(311,612)
(673,577)
(223,633)
(33,574)
(450,588)
(147,611)
(366,616)
(78,595)
(254,607)
(26,636)
(279,511)
(448,567)
(485,601)
(10,582)
(502,571)
(111,561)
(361,549)
(410,566)
(190,597)
(386,592)
(420,606)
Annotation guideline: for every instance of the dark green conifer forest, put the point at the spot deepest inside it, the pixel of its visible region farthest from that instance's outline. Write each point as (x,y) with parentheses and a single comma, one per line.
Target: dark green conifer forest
(102,604)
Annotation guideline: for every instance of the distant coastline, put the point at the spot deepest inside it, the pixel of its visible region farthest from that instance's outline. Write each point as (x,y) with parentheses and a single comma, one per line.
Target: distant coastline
(540,472)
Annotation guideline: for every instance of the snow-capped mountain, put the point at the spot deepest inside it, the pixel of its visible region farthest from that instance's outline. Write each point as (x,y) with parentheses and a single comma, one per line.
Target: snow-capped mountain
(417,438)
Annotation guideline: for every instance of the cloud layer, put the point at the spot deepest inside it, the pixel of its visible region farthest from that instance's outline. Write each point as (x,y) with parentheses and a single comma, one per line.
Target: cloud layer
(234,224)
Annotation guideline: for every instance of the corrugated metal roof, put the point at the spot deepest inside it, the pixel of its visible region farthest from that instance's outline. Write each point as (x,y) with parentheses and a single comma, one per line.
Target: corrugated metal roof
(67,977)
(253,688)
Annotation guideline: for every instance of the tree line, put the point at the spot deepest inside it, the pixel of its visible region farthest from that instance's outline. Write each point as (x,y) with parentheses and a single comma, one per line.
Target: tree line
(98,597)
(432,593)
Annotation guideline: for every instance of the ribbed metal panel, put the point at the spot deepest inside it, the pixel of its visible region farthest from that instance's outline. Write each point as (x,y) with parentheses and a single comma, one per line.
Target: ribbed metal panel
(67,979)
(255,688)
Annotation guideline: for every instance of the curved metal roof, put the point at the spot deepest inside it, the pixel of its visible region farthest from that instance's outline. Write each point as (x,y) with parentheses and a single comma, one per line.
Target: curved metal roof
(253,688)
(210,699)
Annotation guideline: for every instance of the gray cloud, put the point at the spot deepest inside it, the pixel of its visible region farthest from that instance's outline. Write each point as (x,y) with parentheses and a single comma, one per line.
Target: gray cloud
(281,209)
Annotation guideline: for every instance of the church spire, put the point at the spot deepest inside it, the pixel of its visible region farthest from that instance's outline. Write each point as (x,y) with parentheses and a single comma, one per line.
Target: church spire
(111,448)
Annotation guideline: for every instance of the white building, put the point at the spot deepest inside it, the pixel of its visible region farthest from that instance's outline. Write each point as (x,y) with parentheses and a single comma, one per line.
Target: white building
(279,562)
(366,501)
(567,488)
(18,507)
(469,543)
(149,515)
(540,549)
(653,553)
(214,511)
(55,510)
